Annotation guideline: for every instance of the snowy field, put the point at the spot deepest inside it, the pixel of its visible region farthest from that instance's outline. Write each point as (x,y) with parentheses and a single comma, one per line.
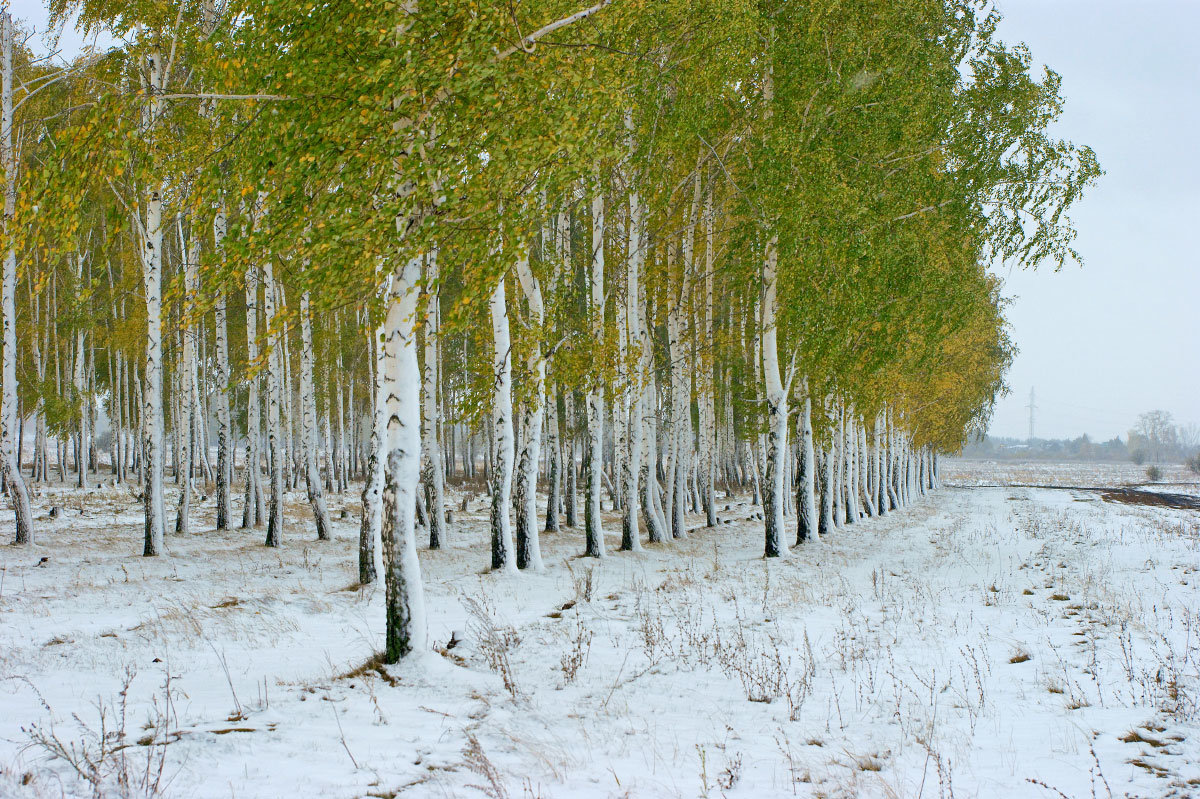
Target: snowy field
(1175,477)
(987,642)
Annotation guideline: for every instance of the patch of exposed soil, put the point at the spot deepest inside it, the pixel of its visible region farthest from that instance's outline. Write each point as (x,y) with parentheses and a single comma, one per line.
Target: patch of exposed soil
(1126,495)
(1135,496)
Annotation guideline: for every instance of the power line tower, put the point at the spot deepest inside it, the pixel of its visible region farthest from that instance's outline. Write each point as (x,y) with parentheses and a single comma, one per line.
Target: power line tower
(1032,406)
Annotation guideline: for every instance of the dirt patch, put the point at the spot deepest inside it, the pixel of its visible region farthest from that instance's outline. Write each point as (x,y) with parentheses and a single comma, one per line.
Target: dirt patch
(1135,496)
(1126,495)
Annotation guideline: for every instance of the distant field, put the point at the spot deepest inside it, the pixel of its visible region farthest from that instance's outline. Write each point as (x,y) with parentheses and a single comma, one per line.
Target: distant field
(963,472)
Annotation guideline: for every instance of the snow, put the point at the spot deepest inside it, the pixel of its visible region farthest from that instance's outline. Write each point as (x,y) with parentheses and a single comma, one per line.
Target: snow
(987,641)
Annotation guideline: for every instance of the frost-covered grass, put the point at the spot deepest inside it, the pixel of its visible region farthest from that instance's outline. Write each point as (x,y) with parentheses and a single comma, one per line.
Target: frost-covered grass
(988,642)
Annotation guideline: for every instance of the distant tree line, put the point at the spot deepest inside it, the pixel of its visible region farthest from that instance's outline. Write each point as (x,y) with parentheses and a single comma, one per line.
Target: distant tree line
(1083,448)
(1156,438)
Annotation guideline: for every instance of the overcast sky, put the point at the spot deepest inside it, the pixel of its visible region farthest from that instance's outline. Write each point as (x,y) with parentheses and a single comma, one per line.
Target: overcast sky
(1120,336)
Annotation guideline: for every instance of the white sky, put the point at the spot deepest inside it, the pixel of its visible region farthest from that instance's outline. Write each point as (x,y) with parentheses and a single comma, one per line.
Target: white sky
(1120,336)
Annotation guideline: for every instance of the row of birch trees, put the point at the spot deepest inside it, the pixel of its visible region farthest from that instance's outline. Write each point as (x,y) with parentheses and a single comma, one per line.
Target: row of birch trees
(624,254)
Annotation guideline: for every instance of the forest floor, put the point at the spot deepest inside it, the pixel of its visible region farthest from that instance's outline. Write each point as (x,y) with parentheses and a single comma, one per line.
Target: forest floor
(986,642)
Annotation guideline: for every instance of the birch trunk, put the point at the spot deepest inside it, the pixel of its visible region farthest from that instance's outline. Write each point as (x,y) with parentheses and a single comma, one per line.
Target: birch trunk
(850,439)
(10,421)
(593,524)
(864,481)
(502,425)
(566,419)
(253,511)
(777,411)
(827,520)
(433,475)
(151,240)
(806,499)
(878,484)
(340,461)
(570,485)
(79,385)
(188,402)
(276,445)
(308,402)
(152,393)
(369,550)
(554,469)
(707,378)
(677,441)
(224,426)
(404,595)
(838,451)
(652,511)
(529,552)
(631,399)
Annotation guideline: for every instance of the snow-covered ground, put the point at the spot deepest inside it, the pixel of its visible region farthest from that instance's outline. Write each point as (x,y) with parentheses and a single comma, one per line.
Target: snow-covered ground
(987,642)
(1175,477)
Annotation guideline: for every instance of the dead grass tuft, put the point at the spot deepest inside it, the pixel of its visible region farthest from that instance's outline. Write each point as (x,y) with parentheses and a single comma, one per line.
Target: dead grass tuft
(372,665)
(1136,737)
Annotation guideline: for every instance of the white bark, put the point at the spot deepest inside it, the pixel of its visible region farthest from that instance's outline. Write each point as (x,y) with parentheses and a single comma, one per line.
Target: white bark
(707,377)
(652,512)
(554,467)
(864,478)
(9,419)
(277,447)
(850,443)
(370,554)
(678,443)
(503,556)
(806,505)
(529,552)
(838,450)
(340,459)
(878,474)
(631,395)
(79,385)
(777,410)
(254,511)
(308,402)
(827,520)
(567,419)
(593,524)
(404,595)
(224,426)
(431,449)
(186,422)
(151,238)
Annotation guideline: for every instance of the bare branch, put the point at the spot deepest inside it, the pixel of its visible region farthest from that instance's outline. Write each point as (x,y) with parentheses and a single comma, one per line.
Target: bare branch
(526,42)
